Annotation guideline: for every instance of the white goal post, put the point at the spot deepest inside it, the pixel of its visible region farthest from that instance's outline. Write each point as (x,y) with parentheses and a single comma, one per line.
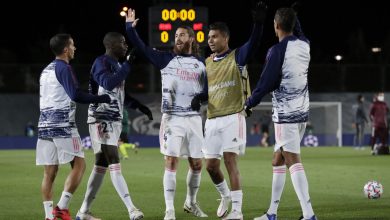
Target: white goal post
(325,119)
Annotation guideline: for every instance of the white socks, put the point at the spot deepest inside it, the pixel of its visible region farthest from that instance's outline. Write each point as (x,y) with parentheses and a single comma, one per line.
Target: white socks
(301,187)
(169,183)
(278,180)
(64,200)
(223,189)
(120,185)
(94,182)
(193,183)
(48,206)
(236,200)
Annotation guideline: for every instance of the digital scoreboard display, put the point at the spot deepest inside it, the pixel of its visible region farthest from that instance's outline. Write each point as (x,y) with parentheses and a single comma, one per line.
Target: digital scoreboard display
(164,20)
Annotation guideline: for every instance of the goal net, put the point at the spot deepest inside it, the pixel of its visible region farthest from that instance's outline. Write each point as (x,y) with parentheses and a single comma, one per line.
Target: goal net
(324,127)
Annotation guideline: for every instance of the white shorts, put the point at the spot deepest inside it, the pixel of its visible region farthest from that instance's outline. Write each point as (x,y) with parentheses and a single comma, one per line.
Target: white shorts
(289,136)
(55,151)
(181,136)
(225,134)
(104,133)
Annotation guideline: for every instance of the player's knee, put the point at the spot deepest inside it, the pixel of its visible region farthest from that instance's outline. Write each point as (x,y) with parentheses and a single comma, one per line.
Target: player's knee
(79,164)
(230,162)
(211,170)
(50,172)
(277,162)
(196,165)
(171,162)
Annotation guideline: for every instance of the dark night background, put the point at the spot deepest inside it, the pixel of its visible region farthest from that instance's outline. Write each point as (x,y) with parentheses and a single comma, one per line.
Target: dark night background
(350,28)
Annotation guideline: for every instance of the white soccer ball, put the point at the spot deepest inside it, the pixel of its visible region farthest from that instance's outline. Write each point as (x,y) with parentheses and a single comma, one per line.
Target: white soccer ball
(310,141)
(373,189)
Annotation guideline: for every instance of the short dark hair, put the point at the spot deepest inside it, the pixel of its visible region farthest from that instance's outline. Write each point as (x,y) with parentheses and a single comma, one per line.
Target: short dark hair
(286,19)
(58,42)
(110,38)
(222,27)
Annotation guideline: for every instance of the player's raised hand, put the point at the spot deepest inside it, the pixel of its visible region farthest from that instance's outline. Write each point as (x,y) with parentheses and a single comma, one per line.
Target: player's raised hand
(130,17)
(259,12)
(296,6)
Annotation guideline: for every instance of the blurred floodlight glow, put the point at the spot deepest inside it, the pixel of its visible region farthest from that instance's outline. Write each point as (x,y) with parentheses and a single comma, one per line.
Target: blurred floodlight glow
(123,14)
(376,49)
(338,57)
(125,8)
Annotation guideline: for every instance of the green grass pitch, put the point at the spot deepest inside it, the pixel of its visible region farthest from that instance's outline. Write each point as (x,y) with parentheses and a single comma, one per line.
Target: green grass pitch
(336,178)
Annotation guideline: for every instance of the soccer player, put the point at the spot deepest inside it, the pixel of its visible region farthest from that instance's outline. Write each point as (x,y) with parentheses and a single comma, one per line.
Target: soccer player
(58,138)
(108,77)
(360,121)
(378,117)
(228,86)
(285,75)
(181,135)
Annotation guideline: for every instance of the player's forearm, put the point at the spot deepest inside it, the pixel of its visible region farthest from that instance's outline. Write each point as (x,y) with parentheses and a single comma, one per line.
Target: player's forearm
(134,38)
(269,81)
(247,50)
(109,81)
(85,98)
(156,58)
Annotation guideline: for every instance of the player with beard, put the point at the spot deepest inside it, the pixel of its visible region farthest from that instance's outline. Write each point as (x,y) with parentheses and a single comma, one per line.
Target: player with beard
(183,76)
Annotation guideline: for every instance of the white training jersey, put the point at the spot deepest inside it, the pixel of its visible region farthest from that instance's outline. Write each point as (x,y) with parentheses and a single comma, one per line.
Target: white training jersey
(182,79)
(291,99)
(107,78)
(285,75)
(57,110)
(182,76)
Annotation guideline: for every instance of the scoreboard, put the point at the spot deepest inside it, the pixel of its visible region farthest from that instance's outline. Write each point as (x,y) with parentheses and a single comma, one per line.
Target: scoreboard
(164,20)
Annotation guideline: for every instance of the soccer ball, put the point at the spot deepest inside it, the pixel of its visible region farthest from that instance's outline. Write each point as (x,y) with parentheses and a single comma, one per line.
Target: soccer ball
(86,142)
(310,141)
(373,189)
